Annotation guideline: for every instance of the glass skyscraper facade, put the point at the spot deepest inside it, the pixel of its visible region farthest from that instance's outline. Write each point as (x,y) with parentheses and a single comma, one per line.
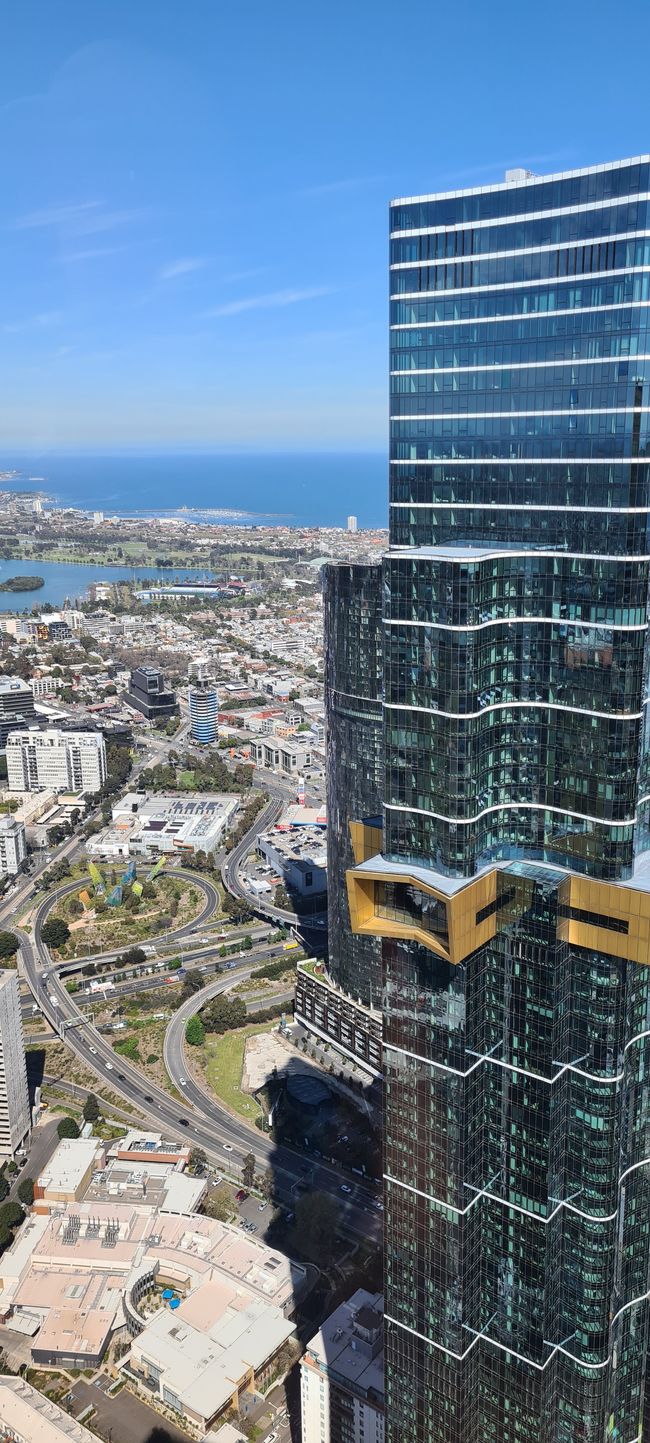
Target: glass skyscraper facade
(352,609)
(511,889)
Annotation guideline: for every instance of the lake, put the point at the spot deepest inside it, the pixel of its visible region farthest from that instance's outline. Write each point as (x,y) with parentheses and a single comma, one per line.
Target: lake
(65,580)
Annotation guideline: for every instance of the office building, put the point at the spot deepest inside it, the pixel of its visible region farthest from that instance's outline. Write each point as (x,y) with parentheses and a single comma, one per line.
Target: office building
(512,885)
(16,706)
(15,1118)
(352,525)
(13,845)
(342,1375)
(148,694)
(60,761)
(203,706)
(281,754)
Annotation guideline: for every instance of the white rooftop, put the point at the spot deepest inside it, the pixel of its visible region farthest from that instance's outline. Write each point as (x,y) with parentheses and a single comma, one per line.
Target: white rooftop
(26,1414)
(69,1164)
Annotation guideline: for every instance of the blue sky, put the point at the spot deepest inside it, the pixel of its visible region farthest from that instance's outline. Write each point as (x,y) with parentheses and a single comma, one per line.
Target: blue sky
(194,196)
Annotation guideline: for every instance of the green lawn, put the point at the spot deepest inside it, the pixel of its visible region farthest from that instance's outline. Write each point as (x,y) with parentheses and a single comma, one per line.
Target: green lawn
(223,1059)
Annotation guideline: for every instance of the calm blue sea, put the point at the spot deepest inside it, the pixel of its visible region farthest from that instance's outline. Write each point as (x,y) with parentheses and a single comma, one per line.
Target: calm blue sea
(296,490)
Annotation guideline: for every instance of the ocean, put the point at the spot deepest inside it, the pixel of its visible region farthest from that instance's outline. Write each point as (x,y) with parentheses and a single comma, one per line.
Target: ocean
(317,489)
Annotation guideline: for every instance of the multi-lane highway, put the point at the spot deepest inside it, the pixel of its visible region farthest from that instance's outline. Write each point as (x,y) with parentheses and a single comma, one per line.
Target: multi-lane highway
(232,879)
(199,1117)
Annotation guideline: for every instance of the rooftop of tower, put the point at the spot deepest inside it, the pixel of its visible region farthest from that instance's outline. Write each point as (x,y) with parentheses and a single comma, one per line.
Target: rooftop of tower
(521,178)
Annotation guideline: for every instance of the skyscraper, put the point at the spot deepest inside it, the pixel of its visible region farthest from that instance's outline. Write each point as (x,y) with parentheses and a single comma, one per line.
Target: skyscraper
(353,686)
(512,886)
(203,705)
(15,1118)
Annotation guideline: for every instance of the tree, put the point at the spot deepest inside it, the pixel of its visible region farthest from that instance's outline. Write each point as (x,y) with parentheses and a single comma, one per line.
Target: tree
(224,1014)
(55,932)
(11,1215)
(195,1032)
(248,1169)
(67,1127)
(4,1186)
(133,957)
(192,982)
(91,1108)
(317,1218)
(198,1159)
(8,945)
(26,1191)
(247,943)
(75,907)
(267,1183)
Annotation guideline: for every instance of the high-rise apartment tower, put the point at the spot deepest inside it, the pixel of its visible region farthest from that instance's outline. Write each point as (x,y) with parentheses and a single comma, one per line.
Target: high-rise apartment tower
(203,705)
(512,885)
(15,1118)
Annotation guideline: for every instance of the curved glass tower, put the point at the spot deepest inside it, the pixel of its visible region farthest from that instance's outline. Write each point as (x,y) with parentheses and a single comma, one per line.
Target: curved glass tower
(512,889)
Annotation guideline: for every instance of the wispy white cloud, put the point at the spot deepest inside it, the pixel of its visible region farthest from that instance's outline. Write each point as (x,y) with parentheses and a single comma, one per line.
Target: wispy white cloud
(55,215)
(270,301)
(91,253)
(181,267)
(88,217)
(38,322)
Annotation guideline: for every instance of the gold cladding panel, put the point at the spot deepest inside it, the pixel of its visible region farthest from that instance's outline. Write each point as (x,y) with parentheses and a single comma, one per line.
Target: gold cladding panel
(628,904)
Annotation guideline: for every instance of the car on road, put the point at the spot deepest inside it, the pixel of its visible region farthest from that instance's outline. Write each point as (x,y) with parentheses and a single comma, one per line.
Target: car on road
(227,1147)
(109,1067)
(92,1049)
(344,1187)
(183,1081)
(184,1121)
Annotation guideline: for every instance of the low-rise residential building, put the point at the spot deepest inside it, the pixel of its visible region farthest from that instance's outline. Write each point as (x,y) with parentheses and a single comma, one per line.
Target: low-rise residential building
(46,685)
(13,845)
(61,761)
(342,1375)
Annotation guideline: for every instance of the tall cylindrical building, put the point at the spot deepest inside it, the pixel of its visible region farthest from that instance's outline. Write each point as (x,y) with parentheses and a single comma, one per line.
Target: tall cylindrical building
(203,703)
(512,886)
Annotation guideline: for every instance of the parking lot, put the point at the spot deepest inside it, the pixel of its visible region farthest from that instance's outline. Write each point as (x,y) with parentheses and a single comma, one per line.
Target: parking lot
(123,1418)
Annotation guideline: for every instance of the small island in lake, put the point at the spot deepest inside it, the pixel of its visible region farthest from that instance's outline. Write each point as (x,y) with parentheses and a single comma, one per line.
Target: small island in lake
(22,583)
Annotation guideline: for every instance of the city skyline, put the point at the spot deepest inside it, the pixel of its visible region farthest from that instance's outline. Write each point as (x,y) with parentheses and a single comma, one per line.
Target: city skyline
(193,236)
